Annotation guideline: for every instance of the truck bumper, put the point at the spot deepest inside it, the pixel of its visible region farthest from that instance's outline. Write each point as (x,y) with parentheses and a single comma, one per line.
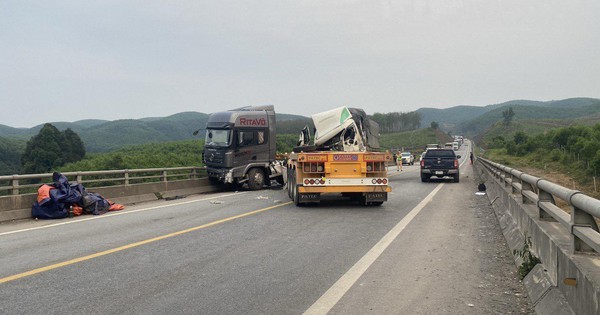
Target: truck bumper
(344,189)
(315,197)
(439,172)
(222,174)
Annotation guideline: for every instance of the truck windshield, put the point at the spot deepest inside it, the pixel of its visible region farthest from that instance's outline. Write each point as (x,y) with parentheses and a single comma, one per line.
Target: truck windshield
(218,137)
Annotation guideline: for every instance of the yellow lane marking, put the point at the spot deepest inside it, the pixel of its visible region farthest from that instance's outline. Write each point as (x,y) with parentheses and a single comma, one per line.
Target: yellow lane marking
(122,248)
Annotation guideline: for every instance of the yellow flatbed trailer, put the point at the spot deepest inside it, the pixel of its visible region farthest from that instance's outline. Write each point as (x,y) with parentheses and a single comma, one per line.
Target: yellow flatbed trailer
(360,175)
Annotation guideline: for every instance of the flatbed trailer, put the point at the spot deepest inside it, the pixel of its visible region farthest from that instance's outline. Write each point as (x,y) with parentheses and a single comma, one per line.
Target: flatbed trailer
(359,175)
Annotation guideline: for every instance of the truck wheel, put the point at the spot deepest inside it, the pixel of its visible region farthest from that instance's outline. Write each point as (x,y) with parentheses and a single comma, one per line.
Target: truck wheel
(290,184)
(296,196)
(213,181)
(363,201)
(424,178)
(279,180)
(456,178)
(256,179)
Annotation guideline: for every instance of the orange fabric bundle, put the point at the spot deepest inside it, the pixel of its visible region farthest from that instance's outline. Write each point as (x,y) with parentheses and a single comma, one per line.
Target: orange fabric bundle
(77,210)
(44,192)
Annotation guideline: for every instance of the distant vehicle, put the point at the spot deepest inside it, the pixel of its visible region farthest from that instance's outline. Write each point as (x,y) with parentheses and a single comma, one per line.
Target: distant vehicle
(449,145)
(432,146)
(455,146)
(440,163)
(459,139)
(408,158)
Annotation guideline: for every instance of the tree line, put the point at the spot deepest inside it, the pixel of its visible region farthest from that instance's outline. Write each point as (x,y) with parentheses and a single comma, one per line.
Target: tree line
(576,144)
(397,122)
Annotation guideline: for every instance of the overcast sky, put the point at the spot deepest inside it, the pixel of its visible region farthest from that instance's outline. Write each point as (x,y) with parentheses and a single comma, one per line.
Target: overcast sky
(73,60)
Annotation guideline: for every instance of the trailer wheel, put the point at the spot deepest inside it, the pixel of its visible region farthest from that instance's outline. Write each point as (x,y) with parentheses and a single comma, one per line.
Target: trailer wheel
(295,193)
(297,196)
(290,183)
(256,179)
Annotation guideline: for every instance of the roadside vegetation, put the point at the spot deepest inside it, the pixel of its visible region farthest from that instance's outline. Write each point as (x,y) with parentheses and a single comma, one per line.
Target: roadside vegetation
(153,155)
(569,155)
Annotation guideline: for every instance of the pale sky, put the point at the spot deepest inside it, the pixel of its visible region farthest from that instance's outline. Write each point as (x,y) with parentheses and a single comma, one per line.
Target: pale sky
(118,59)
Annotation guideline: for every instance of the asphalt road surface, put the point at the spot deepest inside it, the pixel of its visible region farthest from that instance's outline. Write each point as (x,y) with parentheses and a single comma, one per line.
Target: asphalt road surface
(432,248)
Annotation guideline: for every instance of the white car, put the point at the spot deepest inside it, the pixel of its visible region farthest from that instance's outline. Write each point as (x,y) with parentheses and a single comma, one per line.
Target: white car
(408,158)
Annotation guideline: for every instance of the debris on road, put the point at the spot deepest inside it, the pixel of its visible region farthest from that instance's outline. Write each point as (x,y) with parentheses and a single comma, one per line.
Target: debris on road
(62,199)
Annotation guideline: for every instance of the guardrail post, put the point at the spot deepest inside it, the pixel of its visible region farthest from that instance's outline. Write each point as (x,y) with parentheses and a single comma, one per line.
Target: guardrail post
(164,176)
(581,218)
(544,196)
(79,178)
(126,176)
(513,189)
(525,186)
(502,176)
(15,185)
(194,174)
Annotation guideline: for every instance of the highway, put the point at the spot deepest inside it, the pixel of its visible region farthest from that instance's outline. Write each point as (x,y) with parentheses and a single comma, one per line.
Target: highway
(431,248)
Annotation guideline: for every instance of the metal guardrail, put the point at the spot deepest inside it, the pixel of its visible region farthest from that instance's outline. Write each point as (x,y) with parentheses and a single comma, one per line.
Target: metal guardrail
(17,184)
(581,222)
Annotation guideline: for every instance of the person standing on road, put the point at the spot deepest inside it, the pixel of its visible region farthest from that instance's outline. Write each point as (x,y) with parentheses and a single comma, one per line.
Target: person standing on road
(471,157)
(399,161)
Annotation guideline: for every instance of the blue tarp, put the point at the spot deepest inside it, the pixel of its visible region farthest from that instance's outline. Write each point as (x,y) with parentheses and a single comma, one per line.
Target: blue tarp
(56,206)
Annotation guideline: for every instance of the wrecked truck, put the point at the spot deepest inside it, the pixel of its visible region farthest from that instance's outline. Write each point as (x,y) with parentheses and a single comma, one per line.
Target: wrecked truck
(343,159)
(240,147)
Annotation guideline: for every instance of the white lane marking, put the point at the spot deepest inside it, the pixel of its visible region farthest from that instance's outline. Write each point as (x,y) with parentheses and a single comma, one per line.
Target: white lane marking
(465,157)
(328,300)
(112,214)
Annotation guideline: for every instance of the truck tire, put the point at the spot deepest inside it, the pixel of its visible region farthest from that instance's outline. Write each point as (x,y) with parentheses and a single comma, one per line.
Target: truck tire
(279,180)
(290,183)
(256,179)
(424,178)
(456,178)
(296,194)
(213,181)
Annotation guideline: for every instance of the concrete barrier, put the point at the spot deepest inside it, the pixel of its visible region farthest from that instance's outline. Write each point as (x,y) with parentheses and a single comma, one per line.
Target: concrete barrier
(566,282)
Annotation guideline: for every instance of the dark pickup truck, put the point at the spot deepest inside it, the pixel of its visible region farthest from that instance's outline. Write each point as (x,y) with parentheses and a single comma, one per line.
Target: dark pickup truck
(440,163)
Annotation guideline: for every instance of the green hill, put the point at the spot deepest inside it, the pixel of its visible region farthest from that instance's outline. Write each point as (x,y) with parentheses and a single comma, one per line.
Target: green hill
(534,127)
(472,120)
(527,113)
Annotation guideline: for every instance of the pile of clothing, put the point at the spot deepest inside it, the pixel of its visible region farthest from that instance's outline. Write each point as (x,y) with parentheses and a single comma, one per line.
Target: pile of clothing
(61,199)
